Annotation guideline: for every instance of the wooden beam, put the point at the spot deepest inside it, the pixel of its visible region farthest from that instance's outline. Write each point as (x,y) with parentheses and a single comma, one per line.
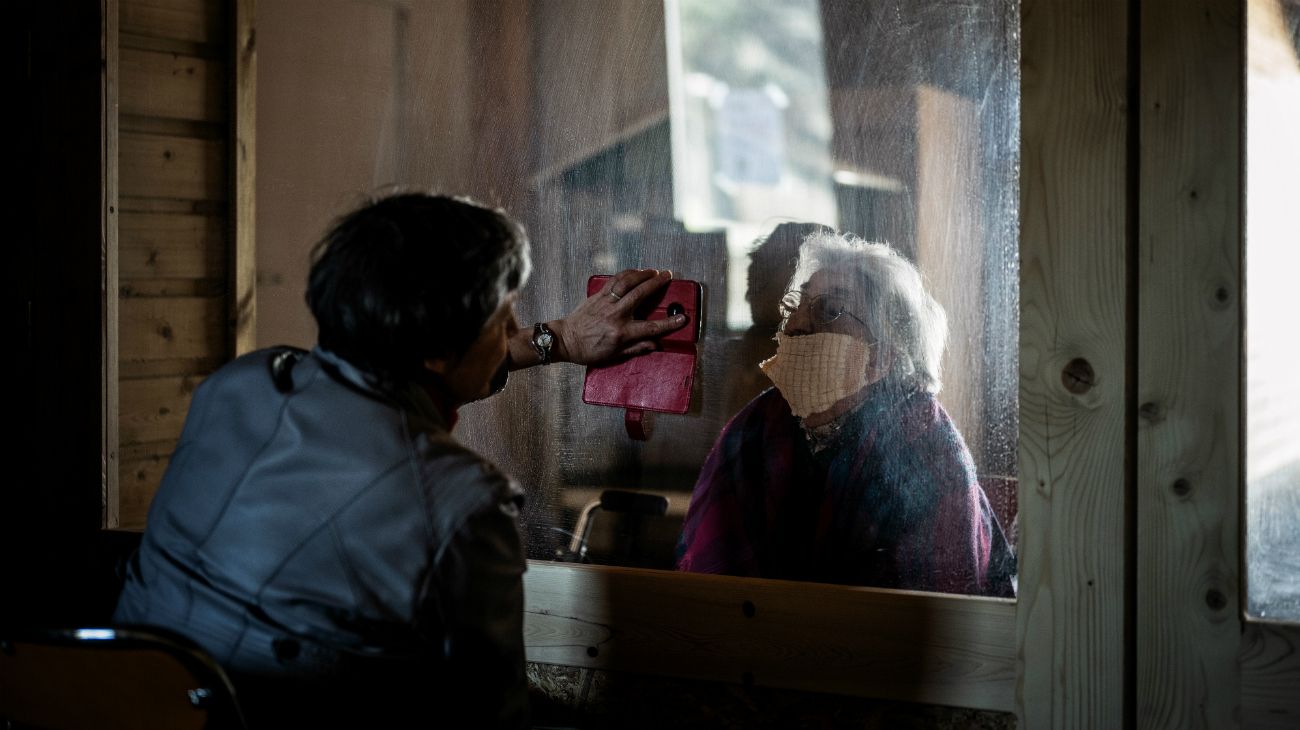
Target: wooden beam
(899,645)
(243,165)
(1074,365)
(109,210)
(1189,343)
(1270,675)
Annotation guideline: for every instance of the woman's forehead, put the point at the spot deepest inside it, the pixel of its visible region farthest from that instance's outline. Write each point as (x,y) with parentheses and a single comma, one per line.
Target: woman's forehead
(833,281)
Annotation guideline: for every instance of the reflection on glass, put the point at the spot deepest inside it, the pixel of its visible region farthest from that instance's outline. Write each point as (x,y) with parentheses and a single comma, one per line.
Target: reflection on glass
(750,121)
(1272,349)
(678,135)
(849,470)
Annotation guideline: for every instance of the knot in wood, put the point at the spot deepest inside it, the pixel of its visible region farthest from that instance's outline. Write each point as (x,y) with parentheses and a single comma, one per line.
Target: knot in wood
(1215,599)
(1150,412)
(1078,376)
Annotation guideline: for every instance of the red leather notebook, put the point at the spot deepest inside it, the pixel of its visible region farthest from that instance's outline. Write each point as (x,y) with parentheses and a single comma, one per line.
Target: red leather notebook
(657,381)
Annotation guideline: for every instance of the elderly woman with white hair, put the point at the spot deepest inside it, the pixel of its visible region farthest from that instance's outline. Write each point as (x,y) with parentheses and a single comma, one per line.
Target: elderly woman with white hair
(849,470)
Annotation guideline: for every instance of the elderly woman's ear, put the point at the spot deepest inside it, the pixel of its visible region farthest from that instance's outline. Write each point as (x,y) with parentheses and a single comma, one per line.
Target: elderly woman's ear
(882,362)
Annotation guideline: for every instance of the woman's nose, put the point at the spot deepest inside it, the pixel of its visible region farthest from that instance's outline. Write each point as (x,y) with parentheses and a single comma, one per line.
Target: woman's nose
(799,322)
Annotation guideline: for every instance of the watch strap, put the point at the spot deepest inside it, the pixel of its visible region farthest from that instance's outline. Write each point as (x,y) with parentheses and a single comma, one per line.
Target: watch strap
(543,350)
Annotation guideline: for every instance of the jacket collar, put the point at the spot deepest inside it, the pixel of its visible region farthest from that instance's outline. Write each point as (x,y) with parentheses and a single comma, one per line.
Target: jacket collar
(417,400)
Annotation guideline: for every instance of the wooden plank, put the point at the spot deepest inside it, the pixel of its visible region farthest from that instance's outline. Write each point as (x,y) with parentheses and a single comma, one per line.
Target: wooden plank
(133,369)
(243,195)
(169,329)
(171,45)
(109,255)
(153,409)
(128,204)
(172,167)
(1270,666)
(172,86)
(164,246)
(140,475)
(198,21)
(172,288)
(951,650)
(1073,607)
(1188,473)
(171,127)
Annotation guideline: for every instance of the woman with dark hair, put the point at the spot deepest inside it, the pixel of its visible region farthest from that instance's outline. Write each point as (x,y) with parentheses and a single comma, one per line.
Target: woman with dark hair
(319,531)
(849,470)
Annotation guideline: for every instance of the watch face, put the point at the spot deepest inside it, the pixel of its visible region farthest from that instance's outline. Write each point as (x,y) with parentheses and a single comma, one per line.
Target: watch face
(545,339)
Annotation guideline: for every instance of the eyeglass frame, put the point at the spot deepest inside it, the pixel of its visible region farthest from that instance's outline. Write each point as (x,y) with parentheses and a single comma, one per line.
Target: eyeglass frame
(788,311)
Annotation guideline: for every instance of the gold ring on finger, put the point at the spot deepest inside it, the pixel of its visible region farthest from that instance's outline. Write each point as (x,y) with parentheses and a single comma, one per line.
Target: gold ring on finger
(616,296)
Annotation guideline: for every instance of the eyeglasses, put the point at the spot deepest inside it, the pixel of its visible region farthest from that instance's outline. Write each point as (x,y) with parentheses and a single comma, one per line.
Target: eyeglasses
(824,308)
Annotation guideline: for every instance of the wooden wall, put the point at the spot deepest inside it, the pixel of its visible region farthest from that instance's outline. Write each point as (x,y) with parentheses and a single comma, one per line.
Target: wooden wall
(177,240)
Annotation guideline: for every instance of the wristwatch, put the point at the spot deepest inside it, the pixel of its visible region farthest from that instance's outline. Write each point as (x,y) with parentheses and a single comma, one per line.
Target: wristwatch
(543,339)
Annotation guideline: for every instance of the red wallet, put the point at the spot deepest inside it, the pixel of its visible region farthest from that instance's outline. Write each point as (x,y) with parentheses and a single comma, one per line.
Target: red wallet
(657,381)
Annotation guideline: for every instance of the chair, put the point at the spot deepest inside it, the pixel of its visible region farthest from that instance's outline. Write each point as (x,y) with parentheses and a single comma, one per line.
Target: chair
(636,507)
(111,678)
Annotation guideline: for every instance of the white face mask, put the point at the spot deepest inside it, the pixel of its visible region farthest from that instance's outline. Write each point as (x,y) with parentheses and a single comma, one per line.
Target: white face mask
(814,372)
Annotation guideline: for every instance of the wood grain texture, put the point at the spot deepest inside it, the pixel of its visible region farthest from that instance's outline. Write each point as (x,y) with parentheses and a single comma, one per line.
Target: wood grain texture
(141,473)
(198,21)
(167,328)
(1270,675)
(891,644)
(172,167)
(1188,544)
(172,86)
(181,367)
(162,246)
(243,161)
(1074,278)
(153,409)
(109,254)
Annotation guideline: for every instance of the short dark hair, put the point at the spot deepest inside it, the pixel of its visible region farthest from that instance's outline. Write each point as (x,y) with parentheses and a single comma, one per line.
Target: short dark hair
(412,276)
(771,265)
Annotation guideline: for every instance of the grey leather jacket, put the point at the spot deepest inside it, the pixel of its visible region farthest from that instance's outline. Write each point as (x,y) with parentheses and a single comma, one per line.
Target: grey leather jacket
(336,550)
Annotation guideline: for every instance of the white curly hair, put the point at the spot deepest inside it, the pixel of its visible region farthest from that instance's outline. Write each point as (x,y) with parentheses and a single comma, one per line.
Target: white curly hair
(911,328)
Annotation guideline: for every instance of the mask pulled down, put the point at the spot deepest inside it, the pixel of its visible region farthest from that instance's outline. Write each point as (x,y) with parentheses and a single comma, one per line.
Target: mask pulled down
(814,372)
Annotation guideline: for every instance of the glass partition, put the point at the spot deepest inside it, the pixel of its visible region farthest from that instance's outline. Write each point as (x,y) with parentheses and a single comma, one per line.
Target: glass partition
(682,135)
(1272,350)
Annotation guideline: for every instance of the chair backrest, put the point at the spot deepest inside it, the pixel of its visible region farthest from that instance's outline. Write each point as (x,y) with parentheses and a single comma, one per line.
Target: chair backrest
(111,678)
(1002,494)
